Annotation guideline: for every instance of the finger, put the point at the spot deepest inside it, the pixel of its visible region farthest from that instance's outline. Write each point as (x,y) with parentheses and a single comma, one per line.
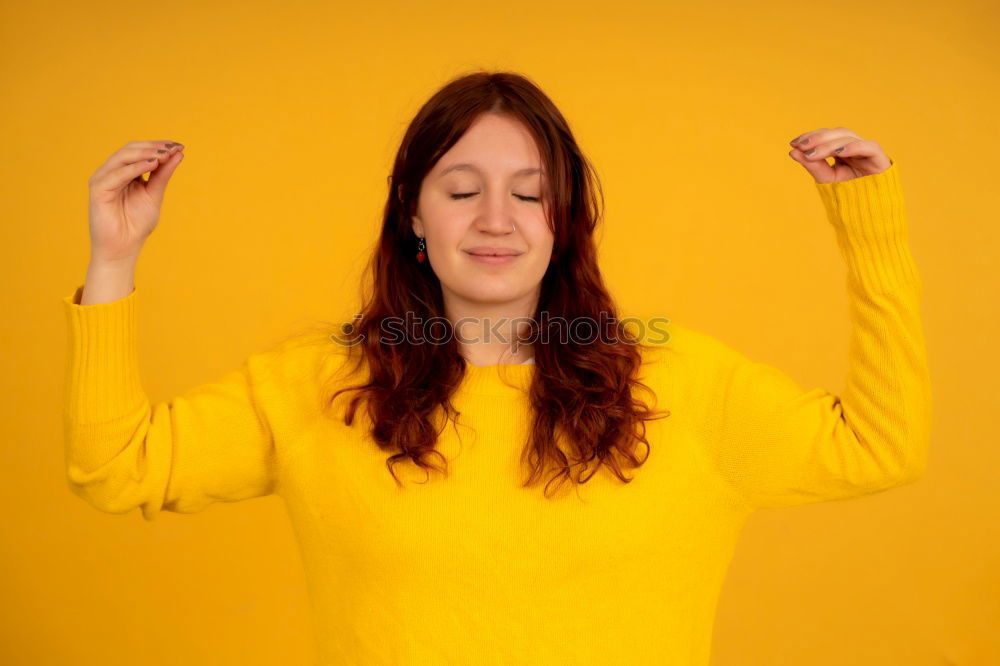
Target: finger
(134,151)
(805,138)
(843,147)
(864,157)
(117,178)
(819,169)
(809,139)
(157,183)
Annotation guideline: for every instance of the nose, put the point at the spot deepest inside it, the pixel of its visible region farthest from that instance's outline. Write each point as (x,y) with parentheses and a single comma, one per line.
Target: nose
(496,216)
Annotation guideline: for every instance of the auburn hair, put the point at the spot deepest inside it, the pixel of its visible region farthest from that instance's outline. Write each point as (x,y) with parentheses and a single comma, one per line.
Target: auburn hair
(584,411)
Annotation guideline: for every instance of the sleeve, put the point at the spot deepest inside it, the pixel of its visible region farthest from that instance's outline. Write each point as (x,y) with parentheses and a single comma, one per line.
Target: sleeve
(783,445)
(210,444)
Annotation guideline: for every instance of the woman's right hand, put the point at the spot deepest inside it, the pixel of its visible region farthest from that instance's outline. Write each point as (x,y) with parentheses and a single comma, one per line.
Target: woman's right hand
(124,209)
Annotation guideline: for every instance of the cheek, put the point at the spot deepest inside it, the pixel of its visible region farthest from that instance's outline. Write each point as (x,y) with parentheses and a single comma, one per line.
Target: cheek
(542,239)
(447,238)
(446,229)
(541,249)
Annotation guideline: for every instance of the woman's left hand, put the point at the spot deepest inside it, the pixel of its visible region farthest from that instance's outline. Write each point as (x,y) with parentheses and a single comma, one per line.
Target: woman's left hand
(853,157)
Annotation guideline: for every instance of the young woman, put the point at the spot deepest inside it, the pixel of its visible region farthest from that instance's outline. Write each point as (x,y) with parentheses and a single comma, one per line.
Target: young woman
(425,450)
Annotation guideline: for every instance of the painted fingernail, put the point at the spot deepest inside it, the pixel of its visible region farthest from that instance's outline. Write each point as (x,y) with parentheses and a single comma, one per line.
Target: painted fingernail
(839,150)
(810,151)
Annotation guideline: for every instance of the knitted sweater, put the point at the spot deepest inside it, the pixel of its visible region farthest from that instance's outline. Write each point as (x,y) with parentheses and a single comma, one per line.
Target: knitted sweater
(473,568)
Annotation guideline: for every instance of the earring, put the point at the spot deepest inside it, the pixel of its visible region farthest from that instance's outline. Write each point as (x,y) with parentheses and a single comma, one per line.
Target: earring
(421,255)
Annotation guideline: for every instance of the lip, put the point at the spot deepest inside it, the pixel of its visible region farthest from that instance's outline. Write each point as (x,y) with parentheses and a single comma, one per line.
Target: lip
(492,250)
(494,259)
(493,255)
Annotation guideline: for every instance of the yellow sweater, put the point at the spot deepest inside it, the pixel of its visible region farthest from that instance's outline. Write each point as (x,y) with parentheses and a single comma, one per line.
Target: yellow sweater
(473,569)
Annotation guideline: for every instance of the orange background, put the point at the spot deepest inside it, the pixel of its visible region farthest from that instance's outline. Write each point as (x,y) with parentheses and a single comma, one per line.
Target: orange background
(291,113)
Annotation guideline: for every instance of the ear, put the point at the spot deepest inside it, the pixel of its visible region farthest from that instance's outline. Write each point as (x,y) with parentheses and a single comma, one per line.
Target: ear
(418,226)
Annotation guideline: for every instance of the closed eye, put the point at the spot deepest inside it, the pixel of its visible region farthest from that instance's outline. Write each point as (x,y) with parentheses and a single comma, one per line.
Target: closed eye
(469,194)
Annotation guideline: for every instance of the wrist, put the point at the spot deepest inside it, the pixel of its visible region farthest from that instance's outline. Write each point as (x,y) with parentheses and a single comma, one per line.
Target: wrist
(107,282)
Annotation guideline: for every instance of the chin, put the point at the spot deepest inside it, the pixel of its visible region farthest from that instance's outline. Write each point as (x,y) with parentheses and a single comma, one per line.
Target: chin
(487,290)
(492,295)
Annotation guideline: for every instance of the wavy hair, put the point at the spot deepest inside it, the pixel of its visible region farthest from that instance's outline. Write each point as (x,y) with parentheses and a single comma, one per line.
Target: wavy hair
(584,411)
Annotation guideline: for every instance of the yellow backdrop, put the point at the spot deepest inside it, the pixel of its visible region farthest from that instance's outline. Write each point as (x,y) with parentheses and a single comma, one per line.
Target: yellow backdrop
(290,113)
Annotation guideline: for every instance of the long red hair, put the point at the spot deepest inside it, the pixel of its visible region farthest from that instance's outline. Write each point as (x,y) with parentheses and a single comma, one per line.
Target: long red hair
(581,394)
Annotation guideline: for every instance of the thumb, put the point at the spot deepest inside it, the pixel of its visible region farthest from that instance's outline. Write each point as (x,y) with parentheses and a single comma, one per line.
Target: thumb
(157,183)
(818,168)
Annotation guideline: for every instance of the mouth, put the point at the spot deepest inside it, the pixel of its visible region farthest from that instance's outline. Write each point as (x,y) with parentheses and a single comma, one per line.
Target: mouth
(495,257)
(492,251)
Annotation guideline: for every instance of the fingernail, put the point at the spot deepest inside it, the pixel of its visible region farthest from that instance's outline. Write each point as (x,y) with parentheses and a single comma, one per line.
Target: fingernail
(795,139)
(810,151)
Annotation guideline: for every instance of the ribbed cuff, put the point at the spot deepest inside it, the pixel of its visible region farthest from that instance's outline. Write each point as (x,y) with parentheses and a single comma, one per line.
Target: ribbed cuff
(870,220)
(102,368)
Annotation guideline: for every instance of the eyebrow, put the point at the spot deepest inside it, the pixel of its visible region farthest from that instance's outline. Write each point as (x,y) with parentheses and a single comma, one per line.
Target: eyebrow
(464,166)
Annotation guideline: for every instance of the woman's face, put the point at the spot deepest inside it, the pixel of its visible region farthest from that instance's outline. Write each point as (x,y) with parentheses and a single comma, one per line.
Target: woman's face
(500,208)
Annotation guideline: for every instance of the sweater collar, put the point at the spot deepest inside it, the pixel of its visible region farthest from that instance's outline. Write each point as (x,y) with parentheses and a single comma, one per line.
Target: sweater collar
(503,379)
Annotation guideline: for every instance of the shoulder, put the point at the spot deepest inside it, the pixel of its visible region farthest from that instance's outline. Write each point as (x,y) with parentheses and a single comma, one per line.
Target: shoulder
(305,360)
(693,348)
(692,364)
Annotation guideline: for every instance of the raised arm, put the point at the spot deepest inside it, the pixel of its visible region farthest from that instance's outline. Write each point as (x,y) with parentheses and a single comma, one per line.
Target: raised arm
(211,443)
(779,444)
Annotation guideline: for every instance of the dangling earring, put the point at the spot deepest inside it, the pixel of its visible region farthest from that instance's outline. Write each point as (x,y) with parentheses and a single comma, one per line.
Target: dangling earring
(421,255)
